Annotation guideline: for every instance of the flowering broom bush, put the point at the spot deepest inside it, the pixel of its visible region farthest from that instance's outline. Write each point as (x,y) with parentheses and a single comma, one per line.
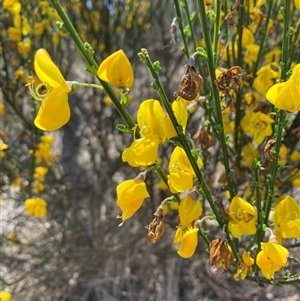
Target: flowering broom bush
(239,168)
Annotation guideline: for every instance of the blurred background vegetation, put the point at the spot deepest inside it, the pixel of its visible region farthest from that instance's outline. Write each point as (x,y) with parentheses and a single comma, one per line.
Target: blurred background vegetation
(78,251)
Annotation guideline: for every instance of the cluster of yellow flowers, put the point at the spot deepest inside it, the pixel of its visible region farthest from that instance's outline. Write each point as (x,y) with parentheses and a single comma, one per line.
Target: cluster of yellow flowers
(21,31)
(155,128)
(247,213)
(43,155)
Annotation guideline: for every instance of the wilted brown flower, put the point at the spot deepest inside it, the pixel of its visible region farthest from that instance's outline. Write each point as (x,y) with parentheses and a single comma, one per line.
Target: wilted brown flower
(191,82)
(204,139)
(220,254)
(157,227)
(231,18)
(230,79)
(268,148)
(296,132)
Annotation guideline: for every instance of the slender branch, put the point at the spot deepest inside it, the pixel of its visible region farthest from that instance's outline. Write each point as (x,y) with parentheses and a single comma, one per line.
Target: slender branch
(179,20)
(279,128)
(216,97)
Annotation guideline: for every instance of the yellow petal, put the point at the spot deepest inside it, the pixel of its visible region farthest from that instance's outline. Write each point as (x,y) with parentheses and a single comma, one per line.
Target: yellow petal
(189,243)
(142,152)
(179,182)
(47,71)
(5,296)
(189,210)
(275,252)
(234,229)
(54,112)
(116,69)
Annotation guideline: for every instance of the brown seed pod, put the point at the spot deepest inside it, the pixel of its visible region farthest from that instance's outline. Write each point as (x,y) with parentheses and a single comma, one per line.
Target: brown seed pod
(191,82)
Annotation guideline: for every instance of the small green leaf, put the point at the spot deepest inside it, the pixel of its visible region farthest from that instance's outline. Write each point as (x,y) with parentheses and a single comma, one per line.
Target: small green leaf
(157,67)
(124,128)
(211,216)
(124,99)
(227,140)
(192,16)
(187,30)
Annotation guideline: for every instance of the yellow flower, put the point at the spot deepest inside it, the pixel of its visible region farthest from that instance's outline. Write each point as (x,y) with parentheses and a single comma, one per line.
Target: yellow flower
(36,207)
(189,210)
(283,153)
(271,258)
(2,109)
(43,152)
(251,53)
(5,296)
(53,92)
(286,95)
(228,124)
(251,98)
(21,75)
(14,6)
(295,177)
(39,28)
(257,124)
(24,47)
(181,114)
(244,266)
(297,4)
(265,77)
(152,124)
(40,173)
(243,218)
(181,172)
(187,238)
(295,156)
(249,153)
(116,69)
(131,195)
(14,34)
(247,37)
(286,218)
(3,147)
(273,56)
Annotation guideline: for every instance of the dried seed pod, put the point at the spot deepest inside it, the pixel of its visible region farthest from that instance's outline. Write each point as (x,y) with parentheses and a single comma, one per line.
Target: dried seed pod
(191,82)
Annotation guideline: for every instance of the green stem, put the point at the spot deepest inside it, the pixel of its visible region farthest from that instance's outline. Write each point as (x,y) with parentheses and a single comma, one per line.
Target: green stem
(87,85)
(216,97)
(240,34)
(260,231)
(217,30)
(190,23)
(279,128)
(263,38)
(179,21)
(202,233)
(294,45)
